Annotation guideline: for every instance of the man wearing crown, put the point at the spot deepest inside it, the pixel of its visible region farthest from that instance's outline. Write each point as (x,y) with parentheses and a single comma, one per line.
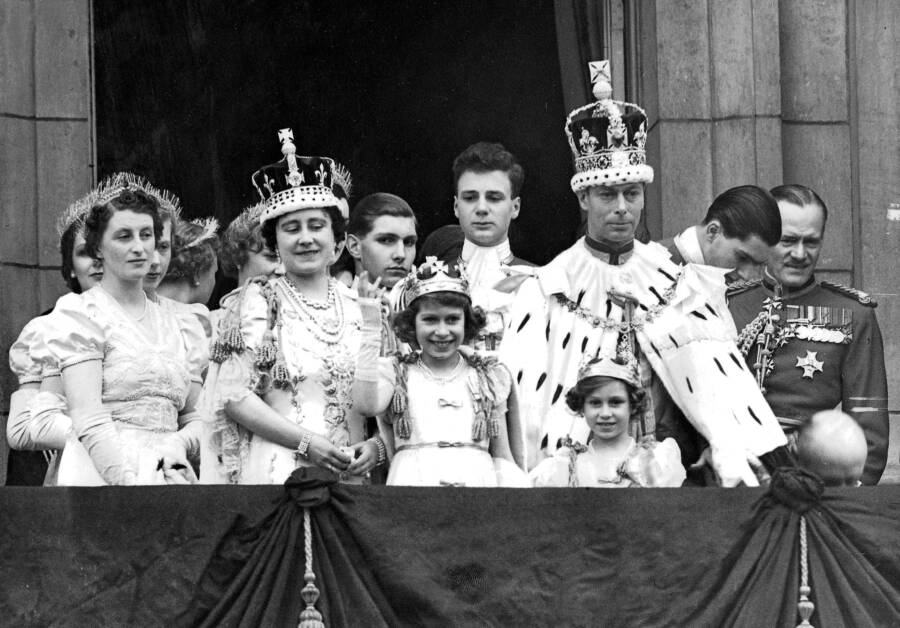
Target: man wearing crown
(812,345)
(608,295)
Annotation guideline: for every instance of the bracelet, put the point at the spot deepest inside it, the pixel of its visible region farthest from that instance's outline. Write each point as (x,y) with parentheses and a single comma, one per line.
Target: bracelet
(303,447)
(382,450)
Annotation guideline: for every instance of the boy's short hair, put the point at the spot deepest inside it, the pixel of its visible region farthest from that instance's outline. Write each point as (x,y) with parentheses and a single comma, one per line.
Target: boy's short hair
(371,207)
(487,157)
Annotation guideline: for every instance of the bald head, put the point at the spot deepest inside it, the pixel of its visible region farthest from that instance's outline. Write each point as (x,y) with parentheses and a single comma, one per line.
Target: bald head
(832,445)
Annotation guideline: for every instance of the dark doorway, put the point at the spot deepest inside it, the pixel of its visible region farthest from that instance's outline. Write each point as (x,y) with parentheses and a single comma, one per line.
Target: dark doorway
(190,93)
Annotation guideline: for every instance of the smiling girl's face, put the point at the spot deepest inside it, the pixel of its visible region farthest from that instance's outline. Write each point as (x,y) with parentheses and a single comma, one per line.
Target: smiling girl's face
(607,410)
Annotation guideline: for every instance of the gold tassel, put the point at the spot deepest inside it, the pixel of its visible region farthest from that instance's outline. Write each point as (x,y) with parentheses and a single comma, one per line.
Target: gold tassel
(399,405)
(218,353)
(402,424)
(267,352)
(281,377)
(233,339)
(494,426)
(479,426)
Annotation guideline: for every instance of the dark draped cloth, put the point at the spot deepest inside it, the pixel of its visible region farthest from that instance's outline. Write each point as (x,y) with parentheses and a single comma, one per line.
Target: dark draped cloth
(233,556)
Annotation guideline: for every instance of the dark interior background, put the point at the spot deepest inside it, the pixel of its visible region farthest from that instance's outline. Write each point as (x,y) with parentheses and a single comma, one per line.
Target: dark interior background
(191,93)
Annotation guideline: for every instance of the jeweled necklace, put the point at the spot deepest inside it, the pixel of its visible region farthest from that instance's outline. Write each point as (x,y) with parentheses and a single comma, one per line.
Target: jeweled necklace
(327,330)
(443,379)
(623,327)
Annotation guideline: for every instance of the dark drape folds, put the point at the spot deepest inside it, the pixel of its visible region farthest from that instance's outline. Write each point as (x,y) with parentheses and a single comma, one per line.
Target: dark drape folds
(452,556)
(256,574)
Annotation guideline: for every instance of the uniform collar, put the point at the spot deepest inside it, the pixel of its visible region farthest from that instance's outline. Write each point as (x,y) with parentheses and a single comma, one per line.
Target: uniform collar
(771,284)
(615,254)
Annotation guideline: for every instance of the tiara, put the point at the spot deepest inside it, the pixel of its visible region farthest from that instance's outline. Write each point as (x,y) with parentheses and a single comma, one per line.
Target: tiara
(246,220)
(607,367)
(432,276)
(208,226)
(342,178)
(108,189)
(121,181)
(76,212)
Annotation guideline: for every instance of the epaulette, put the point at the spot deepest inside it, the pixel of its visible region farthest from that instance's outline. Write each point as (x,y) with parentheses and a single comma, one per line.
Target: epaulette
(847,291)
(741,285)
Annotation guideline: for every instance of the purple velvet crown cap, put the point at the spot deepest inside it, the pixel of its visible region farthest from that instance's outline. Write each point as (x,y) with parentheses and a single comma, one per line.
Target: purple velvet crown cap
(295,182)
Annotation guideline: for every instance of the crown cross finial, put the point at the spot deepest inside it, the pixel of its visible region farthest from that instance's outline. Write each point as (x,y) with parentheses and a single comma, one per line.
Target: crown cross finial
(286,137)
(601,79)
(436,265)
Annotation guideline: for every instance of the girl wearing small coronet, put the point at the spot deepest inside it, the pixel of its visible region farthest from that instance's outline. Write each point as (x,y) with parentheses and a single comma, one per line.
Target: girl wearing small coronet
(451,413)
(608,398)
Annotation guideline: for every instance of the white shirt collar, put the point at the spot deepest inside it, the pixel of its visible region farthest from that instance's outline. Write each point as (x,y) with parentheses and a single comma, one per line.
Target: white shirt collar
(688,244)
(483,262)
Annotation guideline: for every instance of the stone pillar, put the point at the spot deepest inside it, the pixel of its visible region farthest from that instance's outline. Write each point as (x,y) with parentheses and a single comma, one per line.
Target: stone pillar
(45,156)
(816,119)
(711,87)
(875,118)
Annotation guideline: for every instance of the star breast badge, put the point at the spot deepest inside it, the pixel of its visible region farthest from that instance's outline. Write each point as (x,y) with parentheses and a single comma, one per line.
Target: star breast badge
(809,364)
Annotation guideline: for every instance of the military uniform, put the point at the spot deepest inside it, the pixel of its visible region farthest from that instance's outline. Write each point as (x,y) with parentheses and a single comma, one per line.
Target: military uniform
(826,351)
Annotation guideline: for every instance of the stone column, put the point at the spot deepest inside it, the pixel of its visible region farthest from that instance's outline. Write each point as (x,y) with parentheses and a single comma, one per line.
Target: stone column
(711,87)
(45,156)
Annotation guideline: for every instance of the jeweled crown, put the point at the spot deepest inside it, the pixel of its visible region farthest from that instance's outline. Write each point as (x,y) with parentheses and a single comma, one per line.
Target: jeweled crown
(608,367)
(430,277)
(295,182)
(607,137)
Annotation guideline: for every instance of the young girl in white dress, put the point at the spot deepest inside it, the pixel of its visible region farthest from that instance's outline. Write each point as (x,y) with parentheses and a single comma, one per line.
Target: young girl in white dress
(450,414)
(609,398)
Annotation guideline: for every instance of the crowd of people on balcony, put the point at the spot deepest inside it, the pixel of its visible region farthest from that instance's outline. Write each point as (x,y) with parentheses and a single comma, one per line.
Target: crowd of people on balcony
(710,359)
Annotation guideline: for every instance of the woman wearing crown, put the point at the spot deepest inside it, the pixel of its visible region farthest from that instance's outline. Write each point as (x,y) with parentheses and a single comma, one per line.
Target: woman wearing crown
(449,414)
(285,389)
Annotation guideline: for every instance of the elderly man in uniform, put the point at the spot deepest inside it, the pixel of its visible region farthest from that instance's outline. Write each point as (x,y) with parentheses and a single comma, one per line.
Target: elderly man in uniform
(609,296)
(812,345)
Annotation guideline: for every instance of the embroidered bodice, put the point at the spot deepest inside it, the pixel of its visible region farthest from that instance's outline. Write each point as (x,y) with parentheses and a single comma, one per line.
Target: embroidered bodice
(145,375)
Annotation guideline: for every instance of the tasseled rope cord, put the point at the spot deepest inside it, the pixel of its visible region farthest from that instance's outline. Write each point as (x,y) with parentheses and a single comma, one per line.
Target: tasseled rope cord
(309,616)
(574,450)
(481,388)
(805,607)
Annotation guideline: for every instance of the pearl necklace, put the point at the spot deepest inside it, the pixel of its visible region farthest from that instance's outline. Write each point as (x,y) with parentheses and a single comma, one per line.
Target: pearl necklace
(438,379)
(326,329)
